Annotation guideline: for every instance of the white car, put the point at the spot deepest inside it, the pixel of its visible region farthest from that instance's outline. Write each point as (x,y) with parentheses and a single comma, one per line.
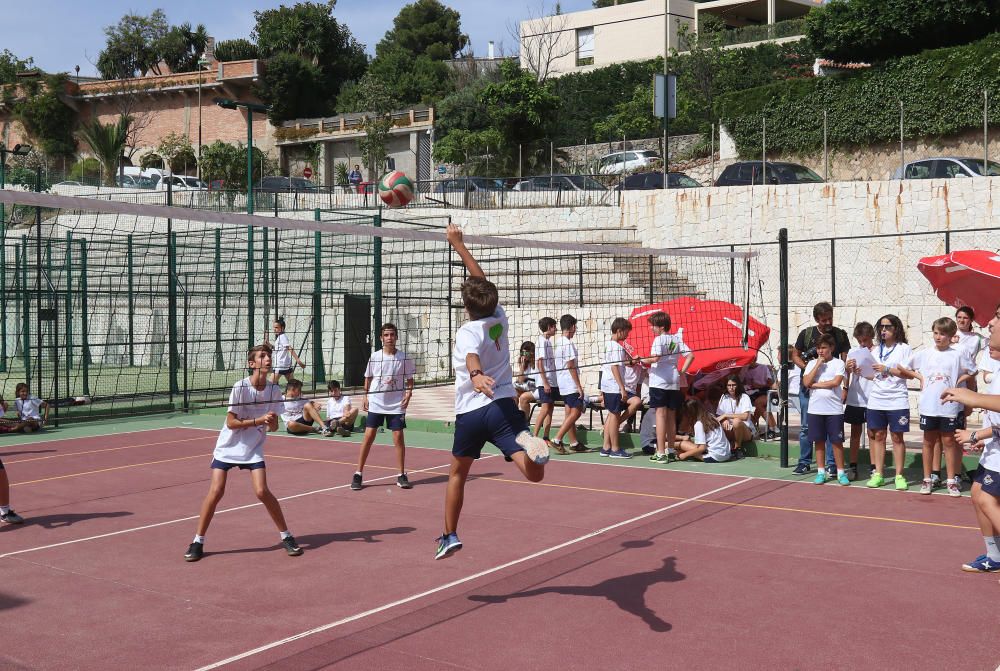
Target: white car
(181,183)
(625,161)
(945,167)
(559,183)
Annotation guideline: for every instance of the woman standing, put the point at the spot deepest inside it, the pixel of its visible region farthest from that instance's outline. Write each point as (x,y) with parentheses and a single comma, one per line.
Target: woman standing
(888,403)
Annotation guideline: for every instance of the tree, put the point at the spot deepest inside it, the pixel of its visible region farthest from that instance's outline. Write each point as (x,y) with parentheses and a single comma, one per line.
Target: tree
(412,79)
(176,151)
(10,65)
(547,42)
(181,47)
(876,30)
(106,141)
(374,97)
(632,118)
(426,28)
(133,46)
(46,118)
(228,162)
(290,84)
(235,50)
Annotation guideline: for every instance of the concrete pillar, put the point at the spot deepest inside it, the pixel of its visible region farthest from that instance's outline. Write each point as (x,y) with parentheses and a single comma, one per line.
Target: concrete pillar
(772,12)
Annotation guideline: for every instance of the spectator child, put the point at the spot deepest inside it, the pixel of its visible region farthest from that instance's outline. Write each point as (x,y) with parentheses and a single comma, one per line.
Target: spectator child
(707,440)
(254,404)
(568,377)
(6,425)
(283,353)
(888,402)
(757,380)
(966,338)
(340,414)
(634,375)
(734,411)
(32,412)
(526,380)
(300,414)
(388,388)
(858,387)
(824,377)
(484,395)
(939,369)
(546,365)
(354,177)
(664,381)
(613,387)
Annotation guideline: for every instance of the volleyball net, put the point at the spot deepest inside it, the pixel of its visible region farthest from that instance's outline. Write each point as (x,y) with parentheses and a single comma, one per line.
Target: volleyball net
(119,307)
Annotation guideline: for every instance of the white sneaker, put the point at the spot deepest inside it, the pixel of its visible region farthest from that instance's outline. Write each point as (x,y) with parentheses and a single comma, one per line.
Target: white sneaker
(926,486)
(536,448)
(954,488)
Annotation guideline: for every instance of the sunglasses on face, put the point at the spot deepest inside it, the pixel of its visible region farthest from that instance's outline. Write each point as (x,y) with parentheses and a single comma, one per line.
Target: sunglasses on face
(883,327)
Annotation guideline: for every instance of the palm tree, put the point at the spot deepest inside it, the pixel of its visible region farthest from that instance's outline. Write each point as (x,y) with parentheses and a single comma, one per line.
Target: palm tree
(107,141)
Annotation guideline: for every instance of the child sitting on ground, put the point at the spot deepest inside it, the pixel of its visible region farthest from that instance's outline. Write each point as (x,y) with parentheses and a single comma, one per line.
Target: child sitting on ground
(707,441)
(340,415)
(301,415)
(30,415)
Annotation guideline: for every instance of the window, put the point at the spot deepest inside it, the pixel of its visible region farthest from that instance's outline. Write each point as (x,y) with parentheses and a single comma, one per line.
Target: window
(585,46)
(921,170)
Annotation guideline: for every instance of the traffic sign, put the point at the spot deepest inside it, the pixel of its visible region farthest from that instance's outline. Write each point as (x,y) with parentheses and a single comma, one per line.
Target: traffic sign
(307,172)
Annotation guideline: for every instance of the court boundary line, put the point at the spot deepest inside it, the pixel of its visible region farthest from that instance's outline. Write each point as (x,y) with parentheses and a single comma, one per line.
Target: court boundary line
(112,433)
(103,449)
(460,581)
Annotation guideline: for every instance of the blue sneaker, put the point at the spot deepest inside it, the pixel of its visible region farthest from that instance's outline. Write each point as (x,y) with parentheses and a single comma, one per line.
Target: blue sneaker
(844,480)
(605,453)
(620,454)
(982,564)
(448,544)
(820,478)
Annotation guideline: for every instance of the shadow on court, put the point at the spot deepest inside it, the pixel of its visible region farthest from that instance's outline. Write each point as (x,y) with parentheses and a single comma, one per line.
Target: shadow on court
(60,520)
(316,541)
(14,454)
(441,479)
(8,601)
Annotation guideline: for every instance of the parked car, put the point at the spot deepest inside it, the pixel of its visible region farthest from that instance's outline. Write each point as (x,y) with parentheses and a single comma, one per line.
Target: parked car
(68,182)
(654,180)
(181,183)
(945,167)
(462,184)
(127,181)
(559,183)
(778,172)
(285,185)
(624,161)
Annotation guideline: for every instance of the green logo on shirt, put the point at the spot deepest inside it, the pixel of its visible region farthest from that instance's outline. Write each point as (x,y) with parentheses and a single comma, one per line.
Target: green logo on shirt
(495,332)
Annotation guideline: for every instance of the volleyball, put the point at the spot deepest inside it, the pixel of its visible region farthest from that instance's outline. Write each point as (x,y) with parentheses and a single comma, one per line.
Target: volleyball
(395,189)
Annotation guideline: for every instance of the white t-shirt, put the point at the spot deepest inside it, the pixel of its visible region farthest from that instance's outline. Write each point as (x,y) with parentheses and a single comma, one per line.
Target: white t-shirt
(631,377)
(989,364)
(664,373)
(731,406)
(335,407)
(972,342)
(246,445)
(718,445)
(28,408)
(888,392)
(293,408)
(545,351)
(487,338)
(941,370)
(990,458)
(531,379)
(282,356)
(566,352)
(858,390)
(389,373)
(826,401)
(614,357)
(794,381)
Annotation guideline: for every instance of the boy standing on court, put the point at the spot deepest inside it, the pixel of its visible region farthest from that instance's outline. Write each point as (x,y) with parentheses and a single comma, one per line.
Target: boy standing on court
(546,367)
(484,395)
(824,377)
(568,376)
(388,388)
(664,382)
(613,388)
(254,404)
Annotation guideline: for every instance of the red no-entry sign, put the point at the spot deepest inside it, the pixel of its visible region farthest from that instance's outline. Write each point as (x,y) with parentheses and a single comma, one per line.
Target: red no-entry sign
(308,172)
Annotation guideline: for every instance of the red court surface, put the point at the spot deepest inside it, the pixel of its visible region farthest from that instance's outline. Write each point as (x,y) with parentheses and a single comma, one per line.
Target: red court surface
(602,566)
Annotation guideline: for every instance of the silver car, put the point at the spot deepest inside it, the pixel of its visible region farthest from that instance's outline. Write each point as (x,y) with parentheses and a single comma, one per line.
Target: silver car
(944,167)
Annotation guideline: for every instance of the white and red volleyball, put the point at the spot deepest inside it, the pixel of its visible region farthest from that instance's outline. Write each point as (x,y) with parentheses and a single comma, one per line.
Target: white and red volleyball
(395,189)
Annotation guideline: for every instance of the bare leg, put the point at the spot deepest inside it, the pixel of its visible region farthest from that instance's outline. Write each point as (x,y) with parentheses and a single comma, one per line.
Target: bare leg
(300,429)
(350,418)
(544,420)
(987,510)
(524,402)
(931,447)
(661,431)
(366,446)
(876,439)
(216,489)
(400,442)
(741,433)
(856,430)
(259,477)
(898,452)
(4,488)
(310,411)
(455,493)
(670,426)
(575,414)
(611,425)
(838,455)
(936,457)
(952,455)
(819,449)
(530,470)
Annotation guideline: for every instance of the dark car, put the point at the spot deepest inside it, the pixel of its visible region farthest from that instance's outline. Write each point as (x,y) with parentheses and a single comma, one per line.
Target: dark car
(462,184)
(654,180)
(777,172)
(285,185)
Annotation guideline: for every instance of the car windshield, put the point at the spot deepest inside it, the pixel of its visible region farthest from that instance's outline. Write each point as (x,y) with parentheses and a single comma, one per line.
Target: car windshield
(299,183)
(585,183)
(798,173)
(683,181)
(976,166)
(194,182)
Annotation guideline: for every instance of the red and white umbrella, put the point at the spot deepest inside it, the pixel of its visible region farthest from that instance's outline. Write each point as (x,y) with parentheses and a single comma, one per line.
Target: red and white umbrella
(970,277)
(712,330)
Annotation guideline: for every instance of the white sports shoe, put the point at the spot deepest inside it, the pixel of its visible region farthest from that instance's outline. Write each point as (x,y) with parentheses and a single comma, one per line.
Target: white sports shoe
(536,448)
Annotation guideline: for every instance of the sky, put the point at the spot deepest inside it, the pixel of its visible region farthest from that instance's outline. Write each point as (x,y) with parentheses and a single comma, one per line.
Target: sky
(60,34)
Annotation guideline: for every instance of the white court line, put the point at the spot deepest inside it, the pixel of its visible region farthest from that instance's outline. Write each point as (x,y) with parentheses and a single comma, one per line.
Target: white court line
(194,517)
(97,435)
(474,576)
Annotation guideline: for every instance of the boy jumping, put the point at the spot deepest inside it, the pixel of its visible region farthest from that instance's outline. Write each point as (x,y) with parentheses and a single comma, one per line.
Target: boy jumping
(484,395)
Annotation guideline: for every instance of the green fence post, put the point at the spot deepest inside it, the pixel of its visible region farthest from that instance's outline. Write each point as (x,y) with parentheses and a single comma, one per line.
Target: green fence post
(267,280)
(220,364)
(17,296)
(319,374)
(251,327)
(131,304)
(84,326)
(3,294)
(26,306)
(173,358)
(69,306)
(377,276)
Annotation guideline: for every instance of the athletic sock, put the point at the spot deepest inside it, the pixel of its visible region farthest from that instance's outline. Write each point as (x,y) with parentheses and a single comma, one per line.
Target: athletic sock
(841,471)
(199,539)
(992,549)
(285,534)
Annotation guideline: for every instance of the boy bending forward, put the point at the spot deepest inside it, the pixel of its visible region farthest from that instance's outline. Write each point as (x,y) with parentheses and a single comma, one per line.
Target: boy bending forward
(484,395)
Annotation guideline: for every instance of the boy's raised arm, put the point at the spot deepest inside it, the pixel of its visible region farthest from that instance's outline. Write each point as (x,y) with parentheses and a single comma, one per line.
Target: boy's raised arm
(454,235)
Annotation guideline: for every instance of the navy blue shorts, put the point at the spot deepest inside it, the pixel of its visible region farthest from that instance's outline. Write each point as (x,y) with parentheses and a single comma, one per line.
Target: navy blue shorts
(549,399)
(756,393)
(897,421)
(499,423)
(942,424)
(392,422)
(960,420)
(988,480)
(672,399)
(284,371)
(854,414)
(826,428)
(613,403)
(302,420)
(225,465)
(573,401)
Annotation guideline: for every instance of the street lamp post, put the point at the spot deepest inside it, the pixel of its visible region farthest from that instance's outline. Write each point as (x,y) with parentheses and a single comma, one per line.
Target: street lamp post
(225,103)
(18,150)
(202,62)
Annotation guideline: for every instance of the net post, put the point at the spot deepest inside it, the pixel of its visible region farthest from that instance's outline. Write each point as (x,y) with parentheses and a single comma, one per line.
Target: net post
(69,303)
(517,281)
(3,292)
(319,368)
(187,307)
(783,316)
(833,272)
(266,279)
(732,275)
(173,357)
(377,276)
(131,300)
(652,290)
(220,364)
(84,327)
(580,277)
(39,345)
(251,329)
(26,306)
